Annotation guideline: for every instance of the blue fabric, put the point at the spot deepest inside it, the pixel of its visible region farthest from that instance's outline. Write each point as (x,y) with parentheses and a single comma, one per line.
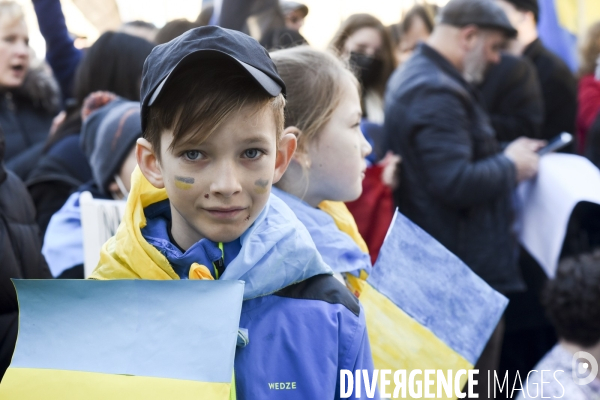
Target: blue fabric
(306,342)
(370,131)
(337,248)
(63,242)
(555,37)
(68,153)
(61,53)
(277,251)
(437,289)
(131,327)
(204,252)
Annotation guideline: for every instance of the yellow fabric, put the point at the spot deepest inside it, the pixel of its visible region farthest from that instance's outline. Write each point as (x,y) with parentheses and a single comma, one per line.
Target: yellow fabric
(51,384)
(344,221)
(577,15)
(400,342)
(127,255)
(201,272)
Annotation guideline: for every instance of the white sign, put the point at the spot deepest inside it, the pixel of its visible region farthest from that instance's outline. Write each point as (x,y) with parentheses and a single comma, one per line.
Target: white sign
(563,181)
(99,221)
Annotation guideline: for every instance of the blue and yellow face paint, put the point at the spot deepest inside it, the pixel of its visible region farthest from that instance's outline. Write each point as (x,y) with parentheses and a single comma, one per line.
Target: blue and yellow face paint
(184,183)
(124,339)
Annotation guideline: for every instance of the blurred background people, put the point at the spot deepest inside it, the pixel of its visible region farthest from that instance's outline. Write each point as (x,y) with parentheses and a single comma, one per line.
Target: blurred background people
(142,29)
(172,29)
(416,26)
(529,334)
(113,63)
(589,91)
(455,183)
(559,87)
(110,129)
(572,302)
(20,247)
(512,95)
(294,14)
(365,43)
(29,96)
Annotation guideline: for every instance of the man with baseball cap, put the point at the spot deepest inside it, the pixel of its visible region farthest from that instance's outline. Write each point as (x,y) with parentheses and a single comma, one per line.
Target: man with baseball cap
(559,87)
(200,207)
(456,183)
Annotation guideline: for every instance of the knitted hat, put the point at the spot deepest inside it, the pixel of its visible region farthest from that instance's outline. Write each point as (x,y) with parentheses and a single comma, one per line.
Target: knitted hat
(107,137)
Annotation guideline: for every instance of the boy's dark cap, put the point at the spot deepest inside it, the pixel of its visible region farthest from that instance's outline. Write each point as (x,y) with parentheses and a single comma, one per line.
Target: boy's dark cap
(207,42)
(527,5)
(481,13)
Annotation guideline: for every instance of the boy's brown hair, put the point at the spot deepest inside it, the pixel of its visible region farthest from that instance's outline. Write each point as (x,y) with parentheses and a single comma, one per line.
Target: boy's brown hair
(198,100)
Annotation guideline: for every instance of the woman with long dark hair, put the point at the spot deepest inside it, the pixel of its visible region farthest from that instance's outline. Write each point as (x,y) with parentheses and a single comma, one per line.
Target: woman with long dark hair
(365,43)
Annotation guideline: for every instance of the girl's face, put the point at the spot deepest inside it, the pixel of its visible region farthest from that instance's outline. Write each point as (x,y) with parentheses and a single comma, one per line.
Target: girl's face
(14,53)
(365,41)
(337,154)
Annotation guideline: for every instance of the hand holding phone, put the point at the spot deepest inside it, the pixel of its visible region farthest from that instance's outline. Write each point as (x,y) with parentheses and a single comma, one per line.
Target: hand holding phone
(559,142)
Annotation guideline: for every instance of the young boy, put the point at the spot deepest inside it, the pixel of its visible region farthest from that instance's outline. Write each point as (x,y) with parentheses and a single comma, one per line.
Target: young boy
(212,147)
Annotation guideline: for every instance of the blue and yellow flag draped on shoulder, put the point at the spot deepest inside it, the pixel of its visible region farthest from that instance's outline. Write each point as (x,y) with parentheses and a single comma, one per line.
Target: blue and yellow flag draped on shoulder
(127,339)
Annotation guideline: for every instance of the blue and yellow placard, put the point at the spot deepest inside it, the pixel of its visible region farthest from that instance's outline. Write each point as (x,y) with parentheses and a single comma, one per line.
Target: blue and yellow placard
(134,339)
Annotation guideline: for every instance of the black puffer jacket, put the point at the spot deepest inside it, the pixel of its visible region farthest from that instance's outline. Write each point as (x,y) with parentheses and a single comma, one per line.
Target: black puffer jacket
(21,252)
(26,115)
(455,184)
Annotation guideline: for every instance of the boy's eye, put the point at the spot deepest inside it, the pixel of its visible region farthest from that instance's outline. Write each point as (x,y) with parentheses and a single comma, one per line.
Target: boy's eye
(252,153)
(192,155)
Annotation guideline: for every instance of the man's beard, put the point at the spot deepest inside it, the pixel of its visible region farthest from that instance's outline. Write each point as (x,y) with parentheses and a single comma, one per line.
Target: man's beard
(475,64)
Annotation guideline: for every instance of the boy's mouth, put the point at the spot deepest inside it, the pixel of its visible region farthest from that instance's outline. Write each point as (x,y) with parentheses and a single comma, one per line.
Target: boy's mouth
(225,212)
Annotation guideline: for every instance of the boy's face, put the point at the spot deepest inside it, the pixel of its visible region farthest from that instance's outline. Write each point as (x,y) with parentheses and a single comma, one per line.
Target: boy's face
(218,188)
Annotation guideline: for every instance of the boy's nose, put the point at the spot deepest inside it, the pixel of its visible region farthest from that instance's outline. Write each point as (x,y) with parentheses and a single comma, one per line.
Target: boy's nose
(225,182)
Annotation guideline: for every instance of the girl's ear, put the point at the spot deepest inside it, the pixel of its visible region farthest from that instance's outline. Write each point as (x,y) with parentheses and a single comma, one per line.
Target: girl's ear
(148,162)
(285,151)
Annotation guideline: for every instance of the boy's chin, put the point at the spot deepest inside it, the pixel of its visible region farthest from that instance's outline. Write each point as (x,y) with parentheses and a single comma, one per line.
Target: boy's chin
(225,235)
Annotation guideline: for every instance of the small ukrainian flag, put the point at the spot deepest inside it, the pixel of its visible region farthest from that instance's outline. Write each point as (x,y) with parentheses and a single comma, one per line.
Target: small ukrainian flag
(425,309)
(124,339)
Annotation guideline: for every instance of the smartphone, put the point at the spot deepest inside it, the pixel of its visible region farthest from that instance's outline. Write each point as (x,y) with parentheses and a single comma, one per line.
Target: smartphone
(559,142)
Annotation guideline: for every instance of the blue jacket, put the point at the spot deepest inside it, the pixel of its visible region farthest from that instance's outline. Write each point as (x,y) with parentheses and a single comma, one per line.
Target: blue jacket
(63,241)
(303,325)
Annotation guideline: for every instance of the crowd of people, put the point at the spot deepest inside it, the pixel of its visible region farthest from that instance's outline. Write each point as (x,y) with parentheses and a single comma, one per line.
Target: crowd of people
(440,115)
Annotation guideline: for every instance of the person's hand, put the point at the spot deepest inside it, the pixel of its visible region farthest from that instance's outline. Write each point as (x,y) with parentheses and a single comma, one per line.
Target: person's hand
(57,121)
(390,175)
(94,101)
(523,153)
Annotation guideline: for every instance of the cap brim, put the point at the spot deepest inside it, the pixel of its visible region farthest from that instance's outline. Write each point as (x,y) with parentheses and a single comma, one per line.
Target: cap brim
(266,82)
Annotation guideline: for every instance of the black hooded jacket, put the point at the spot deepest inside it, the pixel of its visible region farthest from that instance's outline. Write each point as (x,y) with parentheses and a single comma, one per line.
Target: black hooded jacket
(455,183)
(22,257)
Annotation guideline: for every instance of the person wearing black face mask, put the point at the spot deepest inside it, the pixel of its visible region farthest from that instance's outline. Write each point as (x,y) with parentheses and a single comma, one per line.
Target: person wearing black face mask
(363,41)
(368,69)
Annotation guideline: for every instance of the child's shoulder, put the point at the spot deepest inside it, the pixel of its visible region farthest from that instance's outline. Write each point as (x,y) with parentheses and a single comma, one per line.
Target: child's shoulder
(324,288)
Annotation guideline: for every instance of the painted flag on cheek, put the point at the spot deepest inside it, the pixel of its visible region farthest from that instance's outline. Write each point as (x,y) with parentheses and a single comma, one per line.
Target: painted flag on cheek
(425,309)
(86,339)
